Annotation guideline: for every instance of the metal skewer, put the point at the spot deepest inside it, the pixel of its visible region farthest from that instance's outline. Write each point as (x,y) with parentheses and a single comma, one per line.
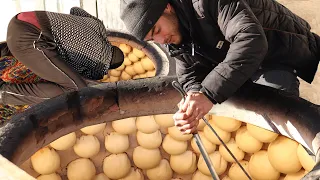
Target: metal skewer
(196,136)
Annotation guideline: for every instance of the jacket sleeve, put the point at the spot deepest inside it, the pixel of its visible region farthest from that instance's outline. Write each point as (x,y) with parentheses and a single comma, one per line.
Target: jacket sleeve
(247,49)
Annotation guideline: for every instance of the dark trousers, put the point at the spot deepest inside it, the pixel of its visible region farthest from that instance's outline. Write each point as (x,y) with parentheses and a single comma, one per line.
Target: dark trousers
(36,49)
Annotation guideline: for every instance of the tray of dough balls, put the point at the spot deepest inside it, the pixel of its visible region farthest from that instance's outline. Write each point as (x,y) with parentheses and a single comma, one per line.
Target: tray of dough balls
(151,147)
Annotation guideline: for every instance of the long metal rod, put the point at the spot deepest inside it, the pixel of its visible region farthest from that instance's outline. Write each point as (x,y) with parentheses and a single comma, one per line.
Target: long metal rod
(197,138)
(177,86)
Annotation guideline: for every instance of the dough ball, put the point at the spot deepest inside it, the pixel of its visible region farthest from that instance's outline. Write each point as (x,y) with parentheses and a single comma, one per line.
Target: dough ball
(125,48)
(116,166)
(114,72)
(114,79)
(126,61)
(202,124)
(305,159)
(147,64)
(174,147)
(260,167)
(138,68)
(151,73)
(52,176)
(261,134)
(147,124)
(164,120)
(101,176)
(121,68)
(219,164)
(224,135)
(138,53)
(236,173)
(87,146)
(296,176)
(161,172)
(146,158)
(199,176)
(177,135)
(94,129)
(81,169)
(64,142)
(185,163)
(238,153)
(116,143)
(125,126)
(143,76)
(149,141)
(283,156)
(226,123)
(125,76)
(133,58)
(209,146)
(246,142)
(134,174)
(129,69)
(136,77)
(45,161)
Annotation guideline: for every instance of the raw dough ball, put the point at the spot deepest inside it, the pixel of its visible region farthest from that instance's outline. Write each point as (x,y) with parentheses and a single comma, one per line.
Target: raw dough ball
(283,155)
(199,176)
(126,61)
(138,68)
(260,167)
(219,164)
(226,123)
(114,79)
(147,64)
(143,76)
(238,153)
(81,169)
(136,77)
(129,69)
(149,141)
(125,126)
(261,134)
(296,176)
(116,166)
(185,163)
(125,76)
(45,161)
(162,172)
(177,135)
(224,135)
(236,173)
(87,146)
(206,143)
(64,142)
(146,158)
(125,48)
(164,120)
(121,68)
(147,124)
(115,73)
(94,129)
(134,174)
(132,57)
(138,53)
(174,147)
(52,176)
(246,142)
(101,176)
(305,159)
(151,73)
(116,143)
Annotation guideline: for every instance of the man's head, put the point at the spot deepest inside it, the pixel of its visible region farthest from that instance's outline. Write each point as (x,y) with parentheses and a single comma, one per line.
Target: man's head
(151,20)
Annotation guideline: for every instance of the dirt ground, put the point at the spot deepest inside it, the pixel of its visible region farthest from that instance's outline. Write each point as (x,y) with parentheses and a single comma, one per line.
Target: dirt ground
(309,10)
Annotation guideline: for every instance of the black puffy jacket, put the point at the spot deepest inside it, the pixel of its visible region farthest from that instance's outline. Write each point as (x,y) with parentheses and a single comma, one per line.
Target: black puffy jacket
(231,39)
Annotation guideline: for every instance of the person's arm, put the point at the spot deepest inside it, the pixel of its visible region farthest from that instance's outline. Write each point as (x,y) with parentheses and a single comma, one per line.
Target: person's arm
(247,50)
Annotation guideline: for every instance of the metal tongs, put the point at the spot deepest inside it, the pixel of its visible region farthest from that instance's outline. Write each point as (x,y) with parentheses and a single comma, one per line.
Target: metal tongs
(200,145)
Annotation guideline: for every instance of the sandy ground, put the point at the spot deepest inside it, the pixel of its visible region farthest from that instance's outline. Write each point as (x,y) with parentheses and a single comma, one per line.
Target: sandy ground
(309,10)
